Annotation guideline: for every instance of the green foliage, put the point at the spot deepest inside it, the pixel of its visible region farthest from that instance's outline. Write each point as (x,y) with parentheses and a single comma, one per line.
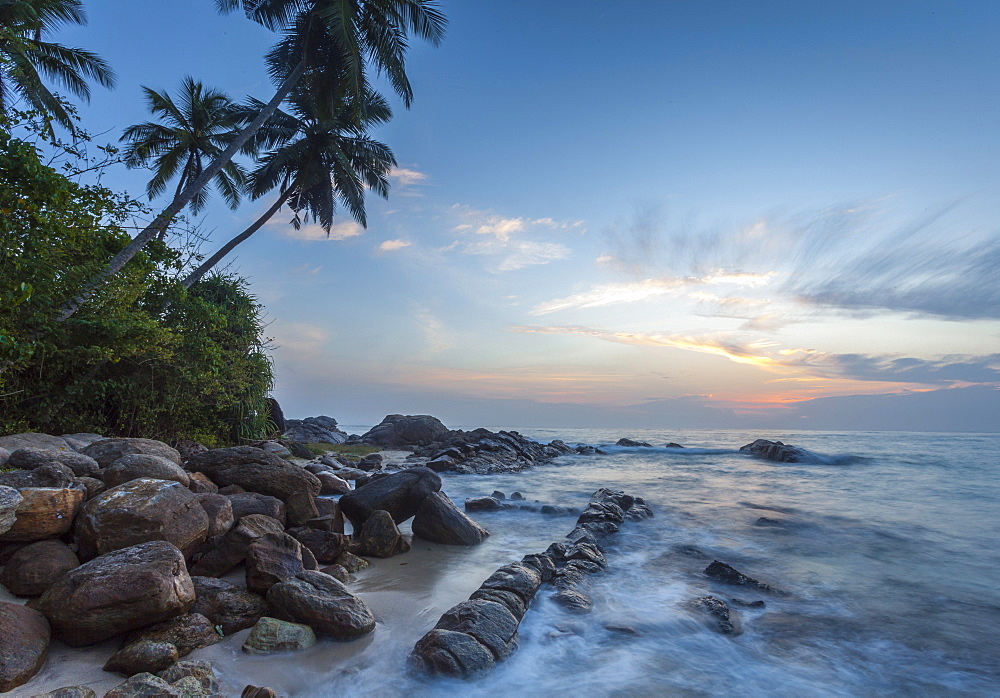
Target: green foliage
(144,357)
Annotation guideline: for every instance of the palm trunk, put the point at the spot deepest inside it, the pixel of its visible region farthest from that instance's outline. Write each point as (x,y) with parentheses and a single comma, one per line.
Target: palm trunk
(195,276)
(160,223)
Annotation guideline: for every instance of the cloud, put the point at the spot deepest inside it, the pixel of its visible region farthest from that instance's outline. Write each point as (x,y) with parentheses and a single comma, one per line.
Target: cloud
(509,238)
(405,181)
(392,245)
(435,337)
(614,294)
(313,231)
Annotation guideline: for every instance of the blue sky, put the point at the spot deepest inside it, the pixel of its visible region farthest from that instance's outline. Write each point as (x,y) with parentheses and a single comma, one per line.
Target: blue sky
(677,214)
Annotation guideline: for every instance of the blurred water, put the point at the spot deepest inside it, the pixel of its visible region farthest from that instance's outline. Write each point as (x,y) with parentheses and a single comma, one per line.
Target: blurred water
(886,549)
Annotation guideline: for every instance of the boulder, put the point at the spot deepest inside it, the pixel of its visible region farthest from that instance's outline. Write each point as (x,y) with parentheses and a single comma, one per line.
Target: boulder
(352,563)
(275,447)
(490,623)
(406,430)
(257,471)
(31,458)
(136,465)
(629,443)
(219,510)
(200,484)
(107,451)
(81,440)
(730,575)
(93,486)
(188,448)
(187,633)
(379,537)
(330,524)
(226,605)
(271,635)
(516,578)
(440,521)
(508,599)
(325,546)
(142,685)
(314,430)
(775,450)
(399,494)
(139,511)
(338,572)
(322,603)
(24,644)
(272,558)
(449,653)
(482,504)
(251,691)
(44,513)
(4,456)
(143,656)
(36,567)
(573,600)
(33,440)
(331,484)
(9,499)
(721,617)
(117,592)
(232,549)
(52,475)
(69,692)
(201,671)
(246,503)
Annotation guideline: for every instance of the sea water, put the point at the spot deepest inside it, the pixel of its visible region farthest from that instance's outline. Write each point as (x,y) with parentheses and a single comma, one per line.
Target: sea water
(884,546)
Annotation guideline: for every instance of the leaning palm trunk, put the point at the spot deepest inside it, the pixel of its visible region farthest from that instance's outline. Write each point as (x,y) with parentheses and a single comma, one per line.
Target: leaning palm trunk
(161,222)
(195,276)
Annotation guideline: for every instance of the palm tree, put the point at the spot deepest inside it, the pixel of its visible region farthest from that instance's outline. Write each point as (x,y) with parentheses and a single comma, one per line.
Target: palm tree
(25,57)
(321,159)
(355,33)
(196,127)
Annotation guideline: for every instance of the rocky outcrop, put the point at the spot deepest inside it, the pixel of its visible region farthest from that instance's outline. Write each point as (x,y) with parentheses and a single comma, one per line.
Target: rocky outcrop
(117,592)
(314,430)
(24,644)
(629,443)
(34,568)
(139,511)
(440,521)
(400,494)
(44,513)
(107,451)
(397,430)
(31,458)
(256,470)
(136,465)
(52,475)
(775,450)
(33,440)
(272,635)
(232,549)
(483,452)
(323,603)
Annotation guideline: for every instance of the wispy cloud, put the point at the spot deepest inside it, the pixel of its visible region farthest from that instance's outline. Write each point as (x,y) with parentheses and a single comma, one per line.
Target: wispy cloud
(393,245)
(406,181)
(511,240)
(339,231)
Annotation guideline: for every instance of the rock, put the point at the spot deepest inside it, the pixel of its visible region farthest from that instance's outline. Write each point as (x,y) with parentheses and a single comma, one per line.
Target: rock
(142,685)
(511,601)
(107,451)
(188,448)
(229,489)
(729,575)
(187,633)
(272,558)
(517,578)
(322,603)
(586,551)
(638,511)
(117,592)
(722,617)
(541,563)
(80,441)
(271,635)
(200,484)
(373,461)
(51,475)
(231,607)
(24,644)
(137,465)
(379,537)
(219,511)
(440,521)
(573,600)
(139,511)
(200,671)
(33,440)
(331,524)
(246,503)
(31,458)
(275,448)
(93,486)
(352,563)
(9,499)
(4,456)
(748,604)
(327,547)
(44,513)
(516,496)
(331,484)
(406,430)
(768,521)
(69,692)
(142,656)
(277,415)
(258,692)
(775,450)
(298,450)
(314,430)
(482,504)
(257,471)
(232,549)
(672,445)
(399,494)
(449,653)
(36,567)
(629,443)
(490,623)
(338,572)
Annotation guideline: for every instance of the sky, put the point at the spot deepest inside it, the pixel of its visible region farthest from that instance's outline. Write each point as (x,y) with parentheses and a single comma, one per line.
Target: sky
(677,214)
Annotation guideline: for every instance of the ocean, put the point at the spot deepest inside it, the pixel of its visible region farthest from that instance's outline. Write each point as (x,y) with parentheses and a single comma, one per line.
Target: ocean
(884,546)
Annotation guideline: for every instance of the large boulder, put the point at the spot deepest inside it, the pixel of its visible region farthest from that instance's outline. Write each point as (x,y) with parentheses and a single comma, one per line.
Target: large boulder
(272,558)
(117,592)
(379,537)
(490,623)
(219,510)
(33,440)
(4,457)
(54,475)
(9,499)
(326,546)
(36,567)
(228,606)
(31,458)
(400,494)
(81,440)
(187,632)
(232,549)
(143,656)
(24,644)
(322,603)
(440,521)
(136,465)
(107,451)
(406,430)
(272,635)
(44,513)
(314,430)
(139,511)
(246,503)
(256,470)
(450,653)
(775,450)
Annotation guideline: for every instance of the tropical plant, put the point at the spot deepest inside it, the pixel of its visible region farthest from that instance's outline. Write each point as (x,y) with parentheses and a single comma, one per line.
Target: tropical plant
(26,57)
(322,37)
(195,127)
(321,159)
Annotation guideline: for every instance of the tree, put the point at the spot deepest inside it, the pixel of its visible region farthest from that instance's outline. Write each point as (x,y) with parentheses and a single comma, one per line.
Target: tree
(321,158)
(25,57)
(196,127)
(327,35)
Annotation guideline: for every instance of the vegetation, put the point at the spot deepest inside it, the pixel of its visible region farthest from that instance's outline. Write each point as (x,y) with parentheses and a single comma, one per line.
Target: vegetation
(347,449)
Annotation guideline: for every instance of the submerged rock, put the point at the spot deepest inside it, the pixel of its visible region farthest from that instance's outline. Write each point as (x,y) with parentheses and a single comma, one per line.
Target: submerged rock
(723,618)
(629,443)
(271,635)
(775,450)
(729,575)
